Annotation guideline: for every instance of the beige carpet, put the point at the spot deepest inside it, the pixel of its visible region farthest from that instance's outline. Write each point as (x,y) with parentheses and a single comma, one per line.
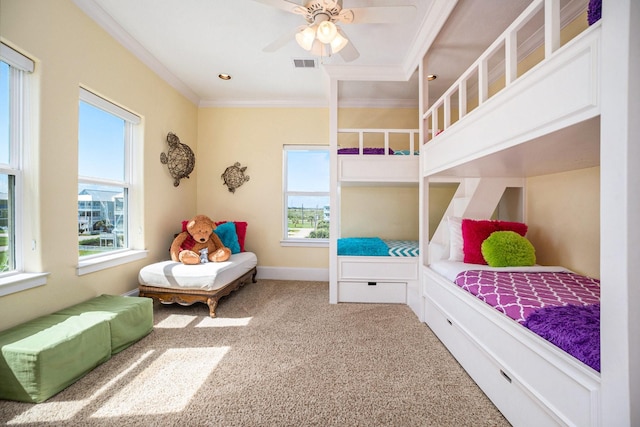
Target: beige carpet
(278,354)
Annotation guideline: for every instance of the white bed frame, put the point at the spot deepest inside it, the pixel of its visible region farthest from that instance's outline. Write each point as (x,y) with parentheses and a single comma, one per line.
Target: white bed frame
(531,381)
(374,279)
(544,121)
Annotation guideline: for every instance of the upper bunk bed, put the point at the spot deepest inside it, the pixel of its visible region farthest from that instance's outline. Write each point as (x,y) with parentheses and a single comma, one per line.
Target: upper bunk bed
(538,120)
(378,156)
(504,117)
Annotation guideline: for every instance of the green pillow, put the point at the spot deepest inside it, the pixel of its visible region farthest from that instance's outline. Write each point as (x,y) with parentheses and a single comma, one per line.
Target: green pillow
(508,249)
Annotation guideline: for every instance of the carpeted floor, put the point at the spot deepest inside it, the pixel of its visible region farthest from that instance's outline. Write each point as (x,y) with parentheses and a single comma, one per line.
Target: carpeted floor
(278,354)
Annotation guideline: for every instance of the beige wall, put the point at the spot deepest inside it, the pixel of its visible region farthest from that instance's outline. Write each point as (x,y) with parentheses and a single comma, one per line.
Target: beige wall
(563,214)
(255,137)
(386,212)
(71,50)
(378,118)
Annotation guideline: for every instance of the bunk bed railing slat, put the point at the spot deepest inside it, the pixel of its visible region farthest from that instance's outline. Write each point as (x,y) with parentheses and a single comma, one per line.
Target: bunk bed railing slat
(506,41)
(411,133)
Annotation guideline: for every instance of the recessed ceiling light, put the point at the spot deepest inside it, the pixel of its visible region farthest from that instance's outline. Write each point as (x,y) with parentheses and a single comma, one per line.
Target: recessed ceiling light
(431,77)
(224,76)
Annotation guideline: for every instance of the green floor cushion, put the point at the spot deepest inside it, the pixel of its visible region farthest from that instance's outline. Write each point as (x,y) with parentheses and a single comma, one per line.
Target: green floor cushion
(42,357)
(130,318)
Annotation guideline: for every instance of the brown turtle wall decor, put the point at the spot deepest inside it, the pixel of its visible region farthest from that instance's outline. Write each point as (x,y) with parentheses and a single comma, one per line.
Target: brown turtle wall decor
(234,176)
(179,159)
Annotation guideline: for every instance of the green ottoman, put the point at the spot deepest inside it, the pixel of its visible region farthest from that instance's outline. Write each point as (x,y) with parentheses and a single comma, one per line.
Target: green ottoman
(42,357)
(130,318)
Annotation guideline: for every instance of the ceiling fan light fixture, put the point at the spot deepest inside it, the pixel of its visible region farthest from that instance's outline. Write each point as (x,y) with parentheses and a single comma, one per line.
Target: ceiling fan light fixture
(327,31)
(338,42)
(306,37)
(319,49)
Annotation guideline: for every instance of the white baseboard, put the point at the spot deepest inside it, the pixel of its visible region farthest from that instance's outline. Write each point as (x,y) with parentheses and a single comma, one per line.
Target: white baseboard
(131,293)
(289,273)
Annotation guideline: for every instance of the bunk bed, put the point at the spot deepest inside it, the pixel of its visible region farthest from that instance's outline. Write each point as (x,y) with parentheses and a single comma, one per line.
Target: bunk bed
(552,112)
(370,269)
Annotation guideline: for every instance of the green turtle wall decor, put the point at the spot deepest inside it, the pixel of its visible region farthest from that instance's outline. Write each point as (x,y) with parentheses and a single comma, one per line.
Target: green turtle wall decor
(179,159)
(234,176)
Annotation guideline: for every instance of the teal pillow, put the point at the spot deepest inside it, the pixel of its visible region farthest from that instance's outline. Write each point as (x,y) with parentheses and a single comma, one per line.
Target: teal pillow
(508,249)
(228,235)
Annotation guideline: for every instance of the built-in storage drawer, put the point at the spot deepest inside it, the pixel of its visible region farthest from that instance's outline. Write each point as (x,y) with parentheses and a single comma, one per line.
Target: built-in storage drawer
(375,292)
(512,398)
(383,269)
(531,381)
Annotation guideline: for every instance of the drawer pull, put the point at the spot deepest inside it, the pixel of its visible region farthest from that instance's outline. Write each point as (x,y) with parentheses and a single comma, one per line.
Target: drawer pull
(505,375)
(372,283)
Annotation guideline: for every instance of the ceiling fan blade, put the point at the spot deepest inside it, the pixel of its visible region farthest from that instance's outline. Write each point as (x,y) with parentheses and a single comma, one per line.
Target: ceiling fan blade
(287,6)
(381,15)
(349,52)
(281,41)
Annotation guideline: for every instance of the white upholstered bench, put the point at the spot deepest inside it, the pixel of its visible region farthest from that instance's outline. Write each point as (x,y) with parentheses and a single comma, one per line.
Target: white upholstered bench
(173,282)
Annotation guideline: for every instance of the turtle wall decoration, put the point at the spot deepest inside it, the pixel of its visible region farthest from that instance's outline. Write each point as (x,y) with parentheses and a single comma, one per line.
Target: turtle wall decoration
(234,176)
(179,159)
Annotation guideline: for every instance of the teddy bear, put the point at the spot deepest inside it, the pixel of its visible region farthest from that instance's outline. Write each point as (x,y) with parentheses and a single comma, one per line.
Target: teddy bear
(198,243)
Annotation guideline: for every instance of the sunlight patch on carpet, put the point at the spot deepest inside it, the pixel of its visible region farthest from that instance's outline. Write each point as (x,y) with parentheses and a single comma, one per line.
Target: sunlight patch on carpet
(221,322)
(65,410)
(176,321)
(166,385)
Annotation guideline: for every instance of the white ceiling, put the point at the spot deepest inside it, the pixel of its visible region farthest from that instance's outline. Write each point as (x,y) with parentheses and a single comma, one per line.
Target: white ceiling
(190,42)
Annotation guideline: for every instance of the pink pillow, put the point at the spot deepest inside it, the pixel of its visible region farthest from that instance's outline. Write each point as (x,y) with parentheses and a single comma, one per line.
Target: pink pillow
(241,231)
(474,232)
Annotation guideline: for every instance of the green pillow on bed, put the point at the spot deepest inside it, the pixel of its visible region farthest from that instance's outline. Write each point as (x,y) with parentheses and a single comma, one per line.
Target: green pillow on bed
(508,249)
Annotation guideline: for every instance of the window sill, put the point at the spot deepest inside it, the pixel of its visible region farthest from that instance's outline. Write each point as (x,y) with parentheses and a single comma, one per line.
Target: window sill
(21,282)
(103,262)
(310,243)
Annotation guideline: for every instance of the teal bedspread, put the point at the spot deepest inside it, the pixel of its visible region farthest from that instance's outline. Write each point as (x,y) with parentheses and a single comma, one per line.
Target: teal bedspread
(362,246)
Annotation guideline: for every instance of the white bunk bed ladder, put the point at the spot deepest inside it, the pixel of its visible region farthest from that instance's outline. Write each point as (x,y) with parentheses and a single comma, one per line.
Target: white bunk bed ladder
(474,198)
(439,117)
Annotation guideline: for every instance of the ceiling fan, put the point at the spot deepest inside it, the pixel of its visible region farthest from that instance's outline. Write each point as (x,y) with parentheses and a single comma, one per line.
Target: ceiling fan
(321,36)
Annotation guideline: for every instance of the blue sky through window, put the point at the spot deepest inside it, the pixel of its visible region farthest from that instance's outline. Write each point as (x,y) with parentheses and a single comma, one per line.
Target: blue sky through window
(4,121)
(101,144)
(308,170)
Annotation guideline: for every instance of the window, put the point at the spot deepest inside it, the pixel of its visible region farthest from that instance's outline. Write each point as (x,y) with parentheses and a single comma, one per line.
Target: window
(15,70)
(105,153)
(306,195)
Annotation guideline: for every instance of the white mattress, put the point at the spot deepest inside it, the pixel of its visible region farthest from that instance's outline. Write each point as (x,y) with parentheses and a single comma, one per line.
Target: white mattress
(209,276)
(451,269)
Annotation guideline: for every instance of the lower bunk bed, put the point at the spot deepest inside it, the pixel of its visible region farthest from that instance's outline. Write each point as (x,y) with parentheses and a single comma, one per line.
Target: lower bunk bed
(375,270)
(528,336)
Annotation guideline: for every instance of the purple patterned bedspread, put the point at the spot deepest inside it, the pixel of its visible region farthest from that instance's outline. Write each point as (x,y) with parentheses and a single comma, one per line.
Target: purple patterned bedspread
(518,294)
(365,150)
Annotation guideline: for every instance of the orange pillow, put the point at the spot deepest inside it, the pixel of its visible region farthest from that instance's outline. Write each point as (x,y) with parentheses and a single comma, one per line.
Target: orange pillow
(474,232)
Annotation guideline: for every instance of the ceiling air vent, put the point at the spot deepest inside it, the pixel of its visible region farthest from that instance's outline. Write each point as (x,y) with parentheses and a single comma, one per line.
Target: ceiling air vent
(304,63)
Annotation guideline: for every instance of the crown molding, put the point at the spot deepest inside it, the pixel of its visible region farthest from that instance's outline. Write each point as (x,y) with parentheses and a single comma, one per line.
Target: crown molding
(104,20)
(265,103)
(432,23)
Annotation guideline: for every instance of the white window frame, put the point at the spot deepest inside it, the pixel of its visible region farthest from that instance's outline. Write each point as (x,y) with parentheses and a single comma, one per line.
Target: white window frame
(133,251)
(286,240)
(20,69)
